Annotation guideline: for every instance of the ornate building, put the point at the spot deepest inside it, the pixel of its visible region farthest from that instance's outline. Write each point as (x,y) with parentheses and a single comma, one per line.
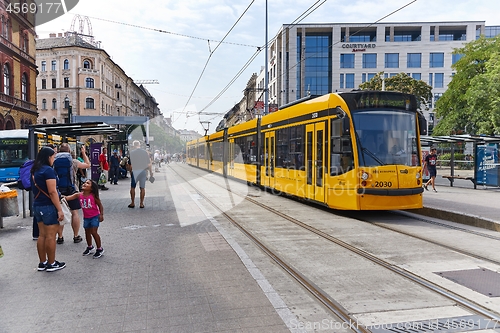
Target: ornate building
(17,67)
(76,72)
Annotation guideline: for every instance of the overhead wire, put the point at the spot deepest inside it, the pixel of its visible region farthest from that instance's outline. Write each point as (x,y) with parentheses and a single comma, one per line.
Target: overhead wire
(301,17)
(212,52)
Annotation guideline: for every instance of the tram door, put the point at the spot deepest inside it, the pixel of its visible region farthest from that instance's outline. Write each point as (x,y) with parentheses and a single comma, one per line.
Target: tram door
(315,163)
(268,157)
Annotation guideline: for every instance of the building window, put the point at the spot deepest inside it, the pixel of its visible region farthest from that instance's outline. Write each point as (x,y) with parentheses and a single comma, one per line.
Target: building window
(318,64)
(89,82)
(416,76)
(54,85)
(369,60)
(44,84)
(392,60)
(44,66)
(455,58)
(349,81)
(24,87)
(25,42)
(347,60)
(44,104)
(341,81)
(44,121)
(66,64)
(439,80)
(436,60)
(414,60)
(66,103)
(6,79)
(54,104)
(89,103)
(54,121)
(86,64)
(66,82)
(53,65)
(430,80)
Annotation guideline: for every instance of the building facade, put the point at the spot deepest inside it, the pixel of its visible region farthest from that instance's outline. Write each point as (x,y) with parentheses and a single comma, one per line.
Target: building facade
(17,67)
(315,59)
(74,71)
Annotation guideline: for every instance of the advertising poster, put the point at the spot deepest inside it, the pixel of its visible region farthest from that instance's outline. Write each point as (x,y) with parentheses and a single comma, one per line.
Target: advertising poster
(487,166)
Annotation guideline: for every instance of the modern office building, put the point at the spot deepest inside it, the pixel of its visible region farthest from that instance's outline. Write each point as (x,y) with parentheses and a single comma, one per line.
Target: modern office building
(17,68)
(315,59)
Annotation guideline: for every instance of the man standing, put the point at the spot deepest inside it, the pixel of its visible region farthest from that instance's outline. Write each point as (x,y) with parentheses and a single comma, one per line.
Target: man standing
(103,164)
(430,164)
(66,167)
(114,167)
(139,164)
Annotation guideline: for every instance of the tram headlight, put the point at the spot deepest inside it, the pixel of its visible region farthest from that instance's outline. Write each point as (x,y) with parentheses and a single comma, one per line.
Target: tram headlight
(418,175)
(364,175)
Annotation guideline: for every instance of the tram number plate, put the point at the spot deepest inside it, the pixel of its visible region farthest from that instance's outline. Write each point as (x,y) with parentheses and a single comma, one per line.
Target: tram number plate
(383,184)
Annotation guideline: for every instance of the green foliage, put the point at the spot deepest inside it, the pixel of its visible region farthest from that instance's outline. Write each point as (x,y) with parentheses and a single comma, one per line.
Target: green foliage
(471,103)
(161,140)
(401,83)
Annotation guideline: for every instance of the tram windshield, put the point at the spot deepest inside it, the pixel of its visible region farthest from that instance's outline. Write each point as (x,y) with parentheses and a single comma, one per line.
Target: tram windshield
(13,152)
(386,137)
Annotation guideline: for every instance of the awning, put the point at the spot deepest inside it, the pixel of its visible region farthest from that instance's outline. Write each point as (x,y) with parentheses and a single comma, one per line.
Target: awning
(76,129)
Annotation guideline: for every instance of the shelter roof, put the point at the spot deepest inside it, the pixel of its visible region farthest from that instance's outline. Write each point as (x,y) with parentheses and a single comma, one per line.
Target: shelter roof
(480,139)
(76,129)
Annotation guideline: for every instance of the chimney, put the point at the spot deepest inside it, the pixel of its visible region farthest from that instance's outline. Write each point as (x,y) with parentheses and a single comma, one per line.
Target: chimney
(59,34)
(52,35)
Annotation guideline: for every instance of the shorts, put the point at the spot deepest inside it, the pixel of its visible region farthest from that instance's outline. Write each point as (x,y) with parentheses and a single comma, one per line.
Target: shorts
(141,179)
(91,222)
(432,172)
(46,214)
(74,204)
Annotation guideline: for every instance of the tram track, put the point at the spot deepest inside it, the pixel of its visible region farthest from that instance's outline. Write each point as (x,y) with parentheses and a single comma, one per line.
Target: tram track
(324,298)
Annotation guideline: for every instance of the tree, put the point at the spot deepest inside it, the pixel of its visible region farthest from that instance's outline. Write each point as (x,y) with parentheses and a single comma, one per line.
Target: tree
(401,83)
(161,139)
(472,103)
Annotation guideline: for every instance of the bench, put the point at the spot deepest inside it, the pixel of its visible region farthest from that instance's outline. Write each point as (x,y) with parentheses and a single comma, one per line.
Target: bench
(451,178)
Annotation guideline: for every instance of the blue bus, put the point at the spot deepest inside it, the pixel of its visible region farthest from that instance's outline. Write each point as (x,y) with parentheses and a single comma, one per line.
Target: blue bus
(13,153)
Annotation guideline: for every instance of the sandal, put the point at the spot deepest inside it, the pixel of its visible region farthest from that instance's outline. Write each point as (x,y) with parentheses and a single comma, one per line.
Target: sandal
(77,239)
(131,206)
(60,240)
(141,206)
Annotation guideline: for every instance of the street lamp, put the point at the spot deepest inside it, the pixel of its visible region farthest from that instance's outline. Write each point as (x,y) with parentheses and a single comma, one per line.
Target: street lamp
(68,106)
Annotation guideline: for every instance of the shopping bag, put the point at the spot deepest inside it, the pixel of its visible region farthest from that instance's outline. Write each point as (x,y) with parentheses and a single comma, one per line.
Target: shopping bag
(102,179)
(66,212)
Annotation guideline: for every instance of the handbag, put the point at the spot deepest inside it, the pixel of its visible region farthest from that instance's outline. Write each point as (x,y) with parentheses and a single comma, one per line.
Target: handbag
(66,211)
(102,179)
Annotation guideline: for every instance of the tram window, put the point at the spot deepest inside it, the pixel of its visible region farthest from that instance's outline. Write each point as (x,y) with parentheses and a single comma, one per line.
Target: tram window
(296,155)
(341,159)
(283,150)
(246,149)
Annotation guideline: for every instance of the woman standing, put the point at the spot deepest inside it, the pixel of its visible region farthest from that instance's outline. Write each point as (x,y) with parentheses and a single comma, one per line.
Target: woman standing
(46,208)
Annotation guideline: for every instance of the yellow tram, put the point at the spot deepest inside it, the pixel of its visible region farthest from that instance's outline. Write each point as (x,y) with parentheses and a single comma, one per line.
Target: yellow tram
(357,150)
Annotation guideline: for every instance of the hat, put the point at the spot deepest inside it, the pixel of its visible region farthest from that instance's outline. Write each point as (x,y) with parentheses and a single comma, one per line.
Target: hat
(115,151)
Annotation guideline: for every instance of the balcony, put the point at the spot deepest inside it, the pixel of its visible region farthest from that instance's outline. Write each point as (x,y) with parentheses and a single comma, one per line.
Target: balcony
(17,103)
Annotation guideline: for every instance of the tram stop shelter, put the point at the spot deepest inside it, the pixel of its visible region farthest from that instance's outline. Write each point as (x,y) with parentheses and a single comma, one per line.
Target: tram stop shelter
(485,160)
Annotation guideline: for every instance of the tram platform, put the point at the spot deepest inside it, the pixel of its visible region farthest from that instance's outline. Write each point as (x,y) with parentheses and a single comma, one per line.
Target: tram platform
(165,268)
(463,204)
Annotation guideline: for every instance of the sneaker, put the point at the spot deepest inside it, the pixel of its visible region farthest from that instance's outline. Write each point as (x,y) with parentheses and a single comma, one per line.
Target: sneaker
(98,253)
(55,266)
(425,186)
(77,239)
(42,266)
(88,250)
(435,190)
(60,240)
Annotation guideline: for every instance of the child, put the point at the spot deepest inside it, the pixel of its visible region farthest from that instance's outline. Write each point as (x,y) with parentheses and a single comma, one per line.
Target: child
(93,213)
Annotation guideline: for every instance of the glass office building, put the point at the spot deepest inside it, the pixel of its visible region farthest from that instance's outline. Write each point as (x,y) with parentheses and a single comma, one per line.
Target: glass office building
(315,59)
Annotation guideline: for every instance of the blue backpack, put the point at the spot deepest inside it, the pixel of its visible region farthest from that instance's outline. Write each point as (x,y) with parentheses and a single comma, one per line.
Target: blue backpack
(24,181)
(63,166)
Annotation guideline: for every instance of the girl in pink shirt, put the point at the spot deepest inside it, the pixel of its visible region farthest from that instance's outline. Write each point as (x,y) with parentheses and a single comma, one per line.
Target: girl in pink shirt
(93,214)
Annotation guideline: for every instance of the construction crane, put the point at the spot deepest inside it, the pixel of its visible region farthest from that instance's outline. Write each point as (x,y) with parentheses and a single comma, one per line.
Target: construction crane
(146,82)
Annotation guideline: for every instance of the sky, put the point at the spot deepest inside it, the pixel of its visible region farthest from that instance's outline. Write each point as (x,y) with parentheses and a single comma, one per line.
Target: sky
(177,41)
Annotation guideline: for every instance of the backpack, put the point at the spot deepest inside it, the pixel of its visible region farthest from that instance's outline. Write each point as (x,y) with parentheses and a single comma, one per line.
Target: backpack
(24,181)
(63,166)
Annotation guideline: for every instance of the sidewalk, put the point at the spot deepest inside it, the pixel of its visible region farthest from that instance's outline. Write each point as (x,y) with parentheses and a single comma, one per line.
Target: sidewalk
(463,204)
(166,268)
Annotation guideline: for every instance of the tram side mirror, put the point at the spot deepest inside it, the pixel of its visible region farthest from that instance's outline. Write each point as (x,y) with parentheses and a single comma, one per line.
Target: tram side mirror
(422,124)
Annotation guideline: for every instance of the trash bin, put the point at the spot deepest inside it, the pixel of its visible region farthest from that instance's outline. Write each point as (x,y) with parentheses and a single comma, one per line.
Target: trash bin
(8,204)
